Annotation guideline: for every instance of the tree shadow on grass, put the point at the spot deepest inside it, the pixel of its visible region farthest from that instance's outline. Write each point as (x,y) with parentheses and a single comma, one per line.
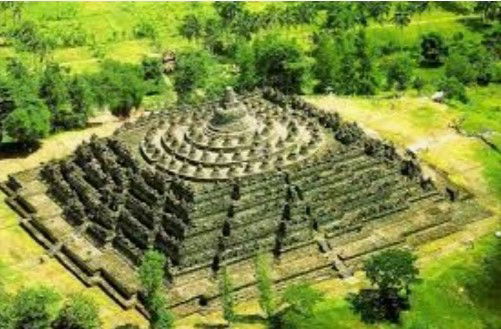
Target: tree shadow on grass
(13,150)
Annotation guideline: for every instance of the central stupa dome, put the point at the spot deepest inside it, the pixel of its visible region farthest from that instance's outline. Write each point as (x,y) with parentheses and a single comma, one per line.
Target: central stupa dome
(231,139)
(231,116)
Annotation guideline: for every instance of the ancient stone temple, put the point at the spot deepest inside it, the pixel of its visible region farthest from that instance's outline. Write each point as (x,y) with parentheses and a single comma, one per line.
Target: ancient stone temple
(210,186)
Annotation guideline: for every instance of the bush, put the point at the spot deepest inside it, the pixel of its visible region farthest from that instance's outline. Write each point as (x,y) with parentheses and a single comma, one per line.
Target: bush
(120,86)
(399,71)
(280,63)
(191,27)
(29,122)
(145,29)
(152,68)
(453,89)
(433,49)
(301,300)
(34,308)
(459,67)
(199,76)
(80,312)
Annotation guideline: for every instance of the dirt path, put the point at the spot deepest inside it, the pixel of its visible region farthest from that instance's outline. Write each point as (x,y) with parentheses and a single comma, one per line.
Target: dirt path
(58,146)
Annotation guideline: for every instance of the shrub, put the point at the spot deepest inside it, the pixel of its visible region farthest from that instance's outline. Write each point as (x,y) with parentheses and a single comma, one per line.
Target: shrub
(433,49)
(145,29)
(35,308)
(152,68)
(453,89)
(280,63)
(120,86)
(459,67)
(199,76)
(191,27)
(80,312)
(264,284)
(29,122)
(399,71)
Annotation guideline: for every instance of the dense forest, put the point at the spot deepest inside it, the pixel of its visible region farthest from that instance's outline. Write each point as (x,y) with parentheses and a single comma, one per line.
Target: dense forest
(303,48)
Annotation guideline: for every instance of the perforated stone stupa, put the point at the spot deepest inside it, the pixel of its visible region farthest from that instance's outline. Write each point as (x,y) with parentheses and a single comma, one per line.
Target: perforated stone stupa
(233,139)
(210,186)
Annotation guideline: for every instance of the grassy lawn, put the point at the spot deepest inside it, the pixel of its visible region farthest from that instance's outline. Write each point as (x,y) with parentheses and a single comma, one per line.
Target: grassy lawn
(461,291)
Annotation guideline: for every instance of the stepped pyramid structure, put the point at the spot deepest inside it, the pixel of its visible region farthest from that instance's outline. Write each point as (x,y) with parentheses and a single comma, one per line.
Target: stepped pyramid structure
(212,185)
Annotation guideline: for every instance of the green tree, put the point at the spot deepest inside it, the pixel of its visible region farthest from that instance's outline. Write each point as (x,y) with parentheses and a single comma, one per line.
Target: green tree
(54,92)
(300,300)
(401,16)
(151,275)
(266,297)
(342,16)
(378,10)
(490,10)
(391,272)
(191,28)
(153,69)
(365,83)
(79,312)
(453,89)
(229,10)
(280,63)
(81,99)
(152,272)
(326,61)
(392,269)
(399,71)
(433,49)
(35,308)
(29,122)
(246,61)
(191,73)
(7,104)
(226,291)
(199,76)
(120,86)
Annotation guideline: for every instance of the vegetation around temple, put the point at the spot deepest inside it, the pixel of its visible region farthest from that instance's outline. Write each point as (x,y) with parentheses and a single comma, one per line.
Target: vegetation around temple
(62,64)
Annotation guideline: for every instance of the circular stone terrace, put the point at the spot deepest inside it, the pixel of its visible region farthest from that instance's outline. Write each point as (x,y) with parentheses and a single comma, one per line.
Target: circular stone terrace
(231,139)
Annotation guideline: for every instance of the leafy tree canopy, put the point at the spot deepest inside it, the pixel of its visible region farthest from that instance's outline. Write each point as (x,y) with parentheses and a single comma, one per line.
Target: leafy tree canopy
(433,49)
(29,122)
(393,268)
(35,308)
(80,312)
